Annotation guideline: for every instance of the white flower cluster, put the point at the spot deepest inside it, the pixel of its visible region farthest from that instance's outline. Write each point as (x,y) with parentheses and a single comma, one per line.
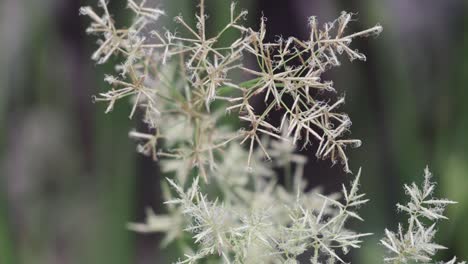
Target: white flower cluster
(184,85)
(277,229)
(172,77)
(416,243)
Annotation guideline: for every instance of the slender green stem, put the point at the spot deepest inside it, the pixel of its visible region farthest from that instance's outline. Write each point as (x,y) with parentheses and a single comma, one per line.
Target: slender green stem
(316,255)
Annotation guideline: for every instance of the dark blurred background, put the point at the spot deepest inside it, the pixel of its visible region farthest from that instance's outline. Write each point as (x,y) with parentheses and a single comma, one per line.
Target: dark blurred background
(71,180)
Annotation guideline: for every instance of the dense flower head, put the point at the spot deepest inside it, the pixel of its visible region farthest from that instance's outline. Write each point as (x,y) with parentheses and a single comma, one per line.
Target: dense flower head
(179,76)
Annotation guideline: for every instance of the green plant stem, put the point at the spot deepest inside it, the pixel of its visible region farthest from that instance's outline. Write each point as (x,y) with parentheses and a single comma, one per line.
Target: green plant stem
(316,255)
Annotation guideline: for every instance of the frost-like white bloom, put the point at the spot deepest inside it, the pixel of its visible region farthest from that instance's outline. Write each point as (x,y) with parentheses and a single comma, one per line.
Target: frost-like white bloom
(242,235)
(179,76)
(416,242)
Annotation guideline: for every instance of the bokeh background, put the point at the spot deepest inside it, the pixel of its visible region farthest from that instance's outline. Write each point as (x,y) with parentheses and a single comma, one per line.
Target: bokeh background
(70,178)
